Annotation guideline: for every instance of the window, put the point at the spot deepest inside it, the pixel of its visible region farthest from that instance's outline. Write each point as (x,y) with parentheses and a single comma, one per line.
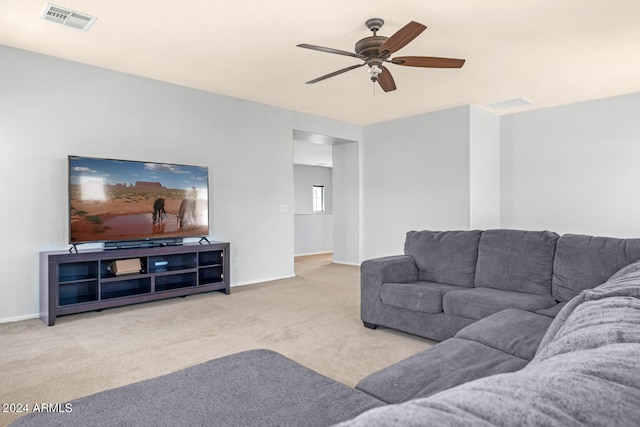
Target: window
(318,198)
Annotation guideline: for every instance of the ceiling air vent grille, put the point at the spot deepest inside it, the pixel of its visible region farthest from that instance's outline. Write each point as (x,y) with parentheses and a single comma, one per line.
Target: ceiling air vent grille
(510,103)
(69,18)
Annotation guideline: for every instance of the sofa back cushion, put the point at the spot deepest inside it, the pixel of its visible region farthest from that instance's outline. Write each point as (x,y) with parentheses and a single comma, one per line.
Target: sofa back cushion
(447,257)
(609,313)
(584,262)
(516,260)
(594,324)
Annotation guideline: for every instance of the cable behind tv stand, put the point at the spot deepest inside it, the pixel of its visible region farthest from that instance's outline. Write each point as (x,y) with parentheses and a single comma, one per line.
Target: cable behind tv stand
(87,280)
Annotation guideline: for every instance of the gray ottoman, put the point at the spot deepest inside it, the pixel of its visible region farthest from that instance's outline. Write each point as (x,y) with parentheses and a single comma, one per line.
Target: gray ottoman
(252,388)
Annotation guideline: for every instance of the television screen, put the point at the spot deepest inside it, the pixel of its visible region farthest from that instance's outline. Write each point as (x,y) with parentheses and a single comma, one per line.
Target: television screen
(123,200)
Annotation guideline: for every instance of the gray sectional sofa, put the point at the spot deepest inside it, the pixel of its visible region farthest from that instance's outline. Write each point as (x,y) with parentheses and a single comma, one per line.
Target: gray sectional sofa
(448,280)
(573,361)
(585,372)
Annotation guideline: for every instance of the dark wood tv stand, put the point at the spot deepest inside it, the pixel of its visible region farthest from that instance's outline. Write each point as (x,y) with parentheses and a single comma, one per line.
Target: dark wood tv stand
(84,281)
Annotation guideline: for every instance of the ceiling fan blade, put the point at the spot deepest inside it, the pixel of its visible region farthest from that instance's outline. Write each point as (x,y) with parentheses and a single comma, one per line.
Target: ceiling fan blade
(330,50)
(335,73)
(428,62)
(385,80)
(402,37)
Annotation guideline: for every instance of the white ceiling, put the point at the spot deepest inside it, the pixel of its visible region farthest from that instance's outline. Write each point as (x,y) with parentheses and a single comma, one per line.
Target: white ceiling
(315,149)
(310,154)
(552,52)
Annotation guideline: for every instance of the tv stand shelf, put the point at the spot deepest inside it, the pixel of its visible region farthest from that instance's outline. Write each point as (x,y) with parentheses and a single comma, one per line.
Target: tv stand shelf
(85,281)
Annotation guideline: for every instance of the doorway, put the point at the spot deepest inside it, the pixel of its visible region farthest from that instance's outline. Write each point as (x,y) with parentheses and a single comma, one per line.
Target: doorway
(313,198)
(333,164)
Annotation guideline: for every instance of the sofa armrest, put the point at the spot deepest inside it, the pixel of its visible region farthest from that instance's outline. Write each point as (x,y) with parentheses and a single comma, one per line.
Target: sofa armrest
(394,269)
(375,272)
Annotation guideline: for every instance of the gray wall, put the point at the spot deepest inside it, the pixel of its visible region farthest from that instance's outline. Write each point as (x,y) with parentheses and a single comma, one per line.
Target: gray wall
(347,212)
(484,164)
(313,232)
(573,169)
(305,177)
(50,108)
(415,176)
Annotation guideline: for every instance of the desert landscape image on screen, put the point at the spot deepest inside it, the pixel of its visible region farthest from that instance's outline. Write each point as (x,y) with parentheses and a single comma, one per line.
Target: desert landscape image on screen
(128,200)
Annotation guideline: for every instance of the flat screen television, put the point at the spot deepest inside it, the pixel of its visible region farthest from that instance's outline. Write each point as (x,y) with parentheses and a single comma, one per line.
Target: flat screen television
(128,203)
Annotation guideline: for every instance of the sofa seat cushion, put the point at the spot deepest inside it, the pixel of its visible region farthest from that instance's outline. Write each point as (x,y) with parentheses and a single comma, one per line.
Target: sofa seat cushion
(478,303)
(599,387)
(515,260)
(584,262)
(444,256)
(417,296)
(445,365)
(513,331)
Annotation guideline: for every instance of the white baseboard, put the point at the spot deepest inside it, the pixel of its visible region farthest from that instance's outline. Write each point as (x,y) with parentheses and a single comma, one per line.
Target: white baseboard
(233,285)
(355,264)
(19,318)
(313,253)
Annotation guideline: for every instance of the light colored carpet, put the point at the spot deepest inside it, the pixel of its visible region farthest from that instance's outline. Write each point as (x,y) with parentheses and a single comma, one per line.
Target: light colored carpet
(313,319)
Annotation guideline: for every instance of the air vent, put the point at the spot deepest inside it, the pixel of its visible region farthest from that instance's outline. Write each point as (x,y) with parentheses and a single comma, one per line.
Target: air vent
(510,103)
(69,18)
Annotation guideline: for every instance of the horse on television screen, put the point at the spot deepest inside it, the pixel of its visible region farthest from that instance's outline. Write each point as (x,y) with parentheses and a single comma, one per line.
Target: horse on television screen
(158,210)
(187,213)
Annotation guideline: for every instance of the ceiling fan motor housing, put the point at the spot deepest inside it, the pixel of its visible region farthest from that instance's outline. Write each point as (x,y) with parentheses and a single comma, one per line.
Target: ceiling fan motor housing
(369,46)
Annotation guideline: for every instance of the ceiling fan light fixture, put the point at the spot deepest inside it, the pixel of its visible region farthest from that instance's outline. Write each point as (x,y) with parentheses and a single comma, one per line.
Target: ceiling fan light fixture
(374,70)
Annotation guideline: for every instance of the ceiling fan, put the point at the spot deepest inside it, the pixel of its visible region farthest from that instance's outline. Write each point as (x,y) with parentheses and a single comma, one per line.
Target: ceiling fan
(376,50)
